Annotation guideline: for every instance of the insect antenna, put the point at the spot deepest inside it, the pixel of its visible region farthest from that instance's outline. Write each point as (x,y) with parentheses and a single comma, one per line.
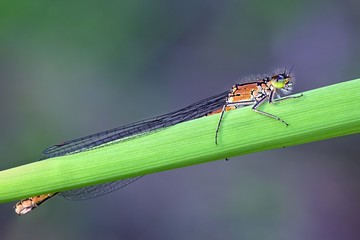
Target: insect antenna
(291,69)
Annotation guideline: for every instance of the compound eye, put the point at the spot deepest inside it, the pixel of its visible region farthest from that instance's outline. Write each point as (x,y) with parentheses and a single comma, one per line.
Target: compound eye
(280,77)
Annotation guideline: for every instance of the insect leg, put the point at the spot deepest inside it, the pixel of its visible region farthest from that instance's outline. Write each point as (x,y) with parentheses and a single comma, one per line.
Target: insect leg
(236,104)
(258,103)
(218,126)
(288,97)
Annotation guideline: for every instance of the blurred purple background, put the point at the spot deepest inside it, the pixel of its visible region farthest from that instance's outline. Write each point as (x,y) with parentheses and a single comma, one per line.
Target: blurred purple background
(68,69)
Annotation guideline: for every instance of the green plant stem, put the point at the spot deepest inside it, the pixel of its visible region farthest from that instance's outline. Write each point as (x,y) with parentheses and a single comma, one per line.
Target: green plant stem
(320,114)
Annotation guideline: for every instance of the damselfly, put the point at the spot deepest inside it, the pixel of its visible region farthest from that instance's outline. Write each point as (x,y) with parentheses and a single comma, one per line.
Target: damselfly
(251,93)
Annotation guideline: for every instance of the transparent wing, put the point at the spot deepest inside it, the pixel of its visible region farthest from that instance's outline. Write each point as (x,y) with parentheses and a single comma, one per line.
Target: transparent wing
(196,110)
(193,111)
(96,190)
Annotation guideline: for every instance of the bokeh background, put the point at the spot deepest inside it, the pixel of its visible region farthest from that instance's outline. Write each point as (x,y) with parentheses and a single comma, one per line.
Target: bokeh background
(71,68)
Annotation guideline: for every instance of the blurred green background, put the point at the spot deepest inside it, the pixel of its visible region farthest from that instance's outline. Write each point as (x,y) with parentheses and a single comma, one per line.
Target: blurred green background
(71,68)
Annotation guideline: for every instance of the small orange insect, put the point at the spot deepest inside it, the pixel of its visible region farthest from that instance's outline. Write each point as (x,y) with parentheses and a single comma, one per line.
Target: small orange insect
(253,93)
